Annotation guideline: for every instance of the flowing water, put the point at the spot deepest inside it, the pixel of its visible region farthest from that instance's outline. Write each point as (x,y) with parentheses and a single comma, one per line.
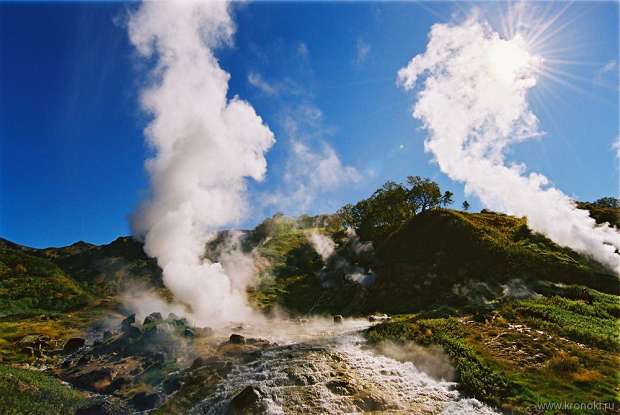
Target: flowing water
(331,370)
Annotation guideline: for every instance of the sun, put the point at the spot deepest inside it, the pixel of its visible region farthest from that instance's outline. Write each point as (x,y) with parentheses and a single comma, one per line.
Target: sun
(511,61)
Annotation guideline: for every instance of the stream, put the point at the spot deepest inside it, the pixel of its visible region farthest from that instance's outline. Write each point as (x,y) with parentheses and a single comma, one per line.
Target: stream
(331,370)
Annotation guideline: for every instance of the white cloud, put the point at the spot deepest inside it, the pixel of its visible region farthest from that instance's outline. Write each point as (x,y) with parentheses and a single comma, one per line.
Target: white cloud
(616,147)
(206,147)
(362,51)
(473,103)
(257,81)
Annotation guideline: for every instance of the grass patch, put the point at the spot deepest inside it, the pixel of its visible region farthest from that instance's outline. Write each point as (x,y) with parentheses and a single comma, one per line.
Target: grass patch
(30,392)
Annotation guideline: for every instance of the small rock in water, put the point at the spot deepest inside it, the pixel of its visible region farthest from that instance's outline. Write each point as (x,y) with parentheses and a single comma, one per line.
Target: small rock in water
(378,317)
(338,319)
(249,401)
(236,339)
(73,344)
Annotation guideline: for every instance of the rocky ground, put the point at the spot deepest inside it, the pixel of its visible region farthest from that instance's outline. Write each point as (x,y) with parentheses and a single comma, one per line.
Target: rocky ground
(164,365)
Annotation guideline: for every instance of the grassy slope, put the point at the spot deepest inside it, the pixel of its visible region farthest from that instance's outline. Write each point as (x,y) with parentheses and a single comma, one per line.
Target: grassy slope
(37,298)
(29,392)
(30,285)
(420,264)
(34,393)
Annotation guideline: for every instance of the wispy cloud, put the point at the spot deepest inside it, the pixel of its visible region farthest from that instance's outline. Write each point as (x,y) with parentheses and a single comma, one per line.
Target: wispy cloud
(303,52)
(257,81)
(362,51)
(607,75)
(285,86)
(313,167)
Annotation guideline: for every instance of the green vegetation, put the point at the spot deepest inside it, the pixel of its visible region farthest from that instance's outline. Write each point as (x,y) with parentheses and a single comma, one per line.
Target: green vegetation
(523,320)
(30,392)
(391,206)
(523,353)
(604,210)
(30,285)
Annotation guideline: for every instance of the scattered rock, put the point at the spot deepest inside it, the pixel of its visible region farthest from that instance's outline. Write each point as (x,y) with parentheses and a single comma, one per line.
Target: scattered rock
(249,401)
(236,339)
(337,319)
(73,344)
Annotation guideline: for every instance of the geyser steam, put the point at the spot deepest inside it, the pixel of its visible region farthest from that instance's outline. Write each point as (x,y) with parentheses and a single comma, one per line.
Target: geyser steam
(205,147)
(473,103)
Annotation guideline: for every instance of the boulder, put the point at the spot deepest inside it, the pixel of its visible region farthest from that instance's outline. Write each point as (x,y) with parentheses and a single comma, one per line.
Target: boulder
(128,323)
(236,339)
(153,318)
(337,319)
(250,401)
(117,383)
(171,384)
(134,332)
(73,344)
(198,362)
(143,401)
(97,408)
(97,379)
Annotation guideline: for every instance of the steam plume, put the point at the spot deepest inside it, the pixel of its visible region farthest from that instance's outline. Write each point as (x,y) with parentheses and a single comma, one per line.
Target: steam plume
(474,104)
(205,147)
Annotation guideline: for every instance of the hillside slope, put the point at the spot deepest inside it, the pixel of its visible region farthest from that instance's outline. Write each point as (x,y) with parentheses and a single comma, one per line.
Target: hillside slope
(446,257)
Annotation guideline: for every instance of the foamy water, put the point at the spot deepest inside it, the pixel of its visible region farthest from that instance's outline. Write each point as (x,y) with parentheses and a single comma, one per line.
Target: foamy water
(333,371)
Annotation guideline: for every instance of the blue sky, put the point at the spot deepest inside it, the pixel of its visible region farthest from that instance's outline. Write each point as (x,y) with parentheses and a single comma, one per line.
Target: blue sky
(71,144)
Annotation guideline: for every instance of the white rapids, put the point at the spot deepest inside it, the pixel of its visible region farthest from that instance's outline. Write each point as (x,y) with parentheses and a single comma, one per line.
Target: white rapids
(339,374)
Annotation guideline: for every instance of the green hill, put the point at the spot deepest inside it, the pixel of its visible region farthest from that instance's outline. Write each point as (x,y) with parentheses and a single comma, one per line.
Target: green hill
(31,285)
